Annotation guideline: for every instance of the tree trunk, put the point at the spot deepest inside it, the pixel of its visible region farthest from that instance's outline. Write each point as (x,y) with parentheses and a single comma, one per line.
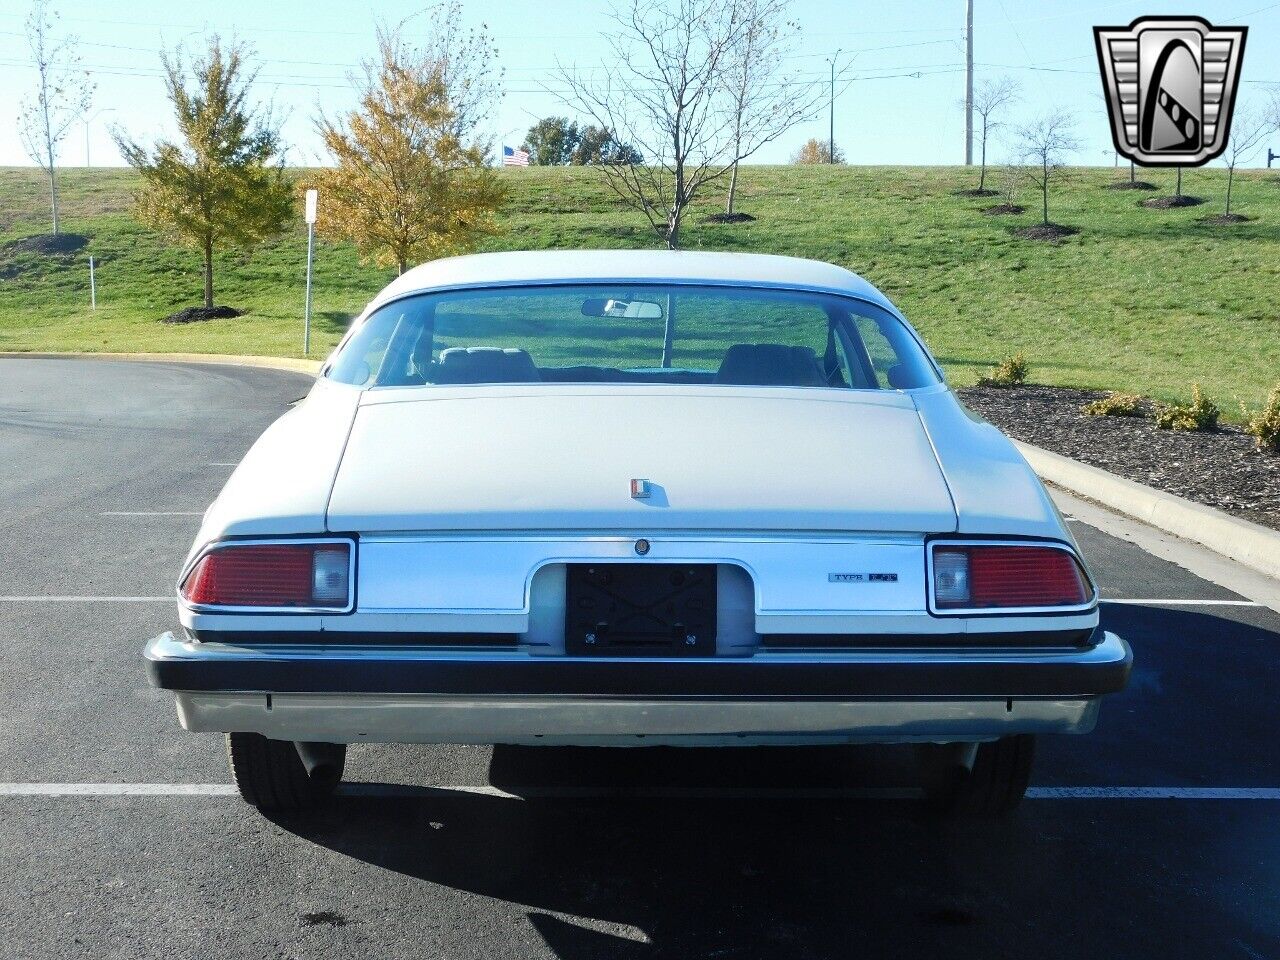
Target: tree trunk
(53,195)
(982,171)
(1231,172)
(733,188)
(1044,191)
(401,266)
(673,228)
(208,272)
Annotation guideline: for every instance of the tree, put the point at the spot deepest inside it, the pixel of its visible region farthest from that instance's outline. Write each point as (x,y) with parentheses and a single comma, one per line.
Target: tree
(224,183)
(551,141)
(765,102)
(1044,144)
(1248,129)
(664,91)
(597,145)
(989,99)
(411,180)
(63,94)
(815,151)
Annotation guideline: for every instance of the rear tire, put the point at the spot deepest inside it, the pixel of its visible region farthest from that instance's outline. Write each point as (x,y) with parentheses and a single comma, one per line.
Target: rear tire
(993,786)
(270,774)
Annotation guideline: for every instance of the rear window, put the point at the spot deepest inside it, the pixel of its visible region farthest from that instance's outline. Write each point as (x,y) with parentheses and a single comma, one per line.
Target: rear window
(638,333)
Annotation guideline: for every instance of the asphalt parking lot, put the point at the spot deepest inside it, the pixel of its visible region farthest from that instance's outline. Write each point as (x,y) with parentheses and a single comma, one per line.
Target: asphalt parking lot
(1157,835)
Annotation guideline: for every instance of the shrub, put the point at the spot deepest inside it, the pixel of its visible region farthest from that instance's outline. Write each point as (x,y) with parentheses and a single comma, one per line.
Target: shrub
(1200,414)
(1011,372)
(1115,405)
(1264,426)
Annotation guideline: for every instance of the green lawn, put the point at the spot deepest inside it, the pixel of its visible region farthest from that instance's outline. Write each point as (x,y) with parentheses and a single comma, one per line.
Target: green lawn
(1141,300)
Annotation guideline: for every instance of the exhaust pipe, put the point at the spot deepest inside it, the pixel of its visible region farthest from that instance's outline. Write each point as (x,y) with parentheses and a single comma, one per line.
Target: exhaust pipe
(322,761)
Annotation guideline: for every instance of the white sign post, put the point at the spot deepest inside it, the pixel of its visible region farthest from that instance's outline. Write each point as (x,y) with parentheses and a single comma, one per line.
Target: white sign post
(93,287)
(312,198)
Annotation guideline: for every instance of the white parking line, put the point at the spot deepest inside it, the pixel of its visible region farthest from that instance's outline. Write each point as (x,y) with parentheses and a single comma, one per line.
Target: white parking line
(640,793)
(151,513)
(1140,601)
(83,599)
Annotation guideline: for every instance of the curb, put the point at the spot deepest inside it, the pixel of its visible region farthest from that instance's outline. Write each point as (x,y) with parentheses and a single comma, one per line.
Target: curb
(290,364)
(1251,544)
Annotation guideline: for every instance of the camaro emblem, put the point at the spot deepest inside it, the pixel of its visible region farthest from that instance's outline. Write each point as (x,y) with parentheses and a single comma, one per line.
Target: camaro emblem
(1170,85)
(641,489)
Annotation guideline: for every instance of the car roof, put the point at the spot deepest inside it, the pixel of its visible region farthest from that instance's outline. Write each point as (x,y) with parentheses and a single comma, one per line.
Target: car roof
(630,266)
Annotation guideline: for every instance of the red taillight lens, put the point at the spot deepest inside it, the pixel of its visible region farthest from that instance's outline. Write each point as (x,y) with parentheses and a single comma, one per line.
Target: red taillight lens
(976,577)
(272,575)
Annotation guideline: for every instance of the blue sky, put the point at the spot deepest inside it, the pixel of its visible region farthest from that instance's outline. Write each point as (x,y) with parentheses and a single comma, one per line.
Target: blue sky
(900,108)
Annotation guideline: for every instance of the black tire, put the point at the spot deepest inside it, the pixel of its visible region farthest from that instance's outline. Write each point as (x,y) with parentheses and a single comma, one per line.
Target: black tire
(271,775)
(993,786)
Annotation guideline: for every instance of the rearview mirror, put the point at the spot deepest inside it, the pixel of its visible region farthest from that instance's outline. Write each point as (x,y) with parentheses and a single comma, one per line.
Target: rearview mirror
(625,309)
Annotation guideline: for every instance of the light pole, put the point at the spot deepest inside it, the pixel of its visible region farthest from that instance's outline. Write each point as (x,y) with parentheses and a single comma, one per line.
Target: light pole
(312,197)
(88,120)
(831,129)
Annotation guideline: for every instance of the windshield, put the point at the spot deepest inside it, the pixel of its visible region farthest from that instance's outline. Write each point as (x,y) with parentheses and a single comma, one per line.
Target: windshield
(637,333)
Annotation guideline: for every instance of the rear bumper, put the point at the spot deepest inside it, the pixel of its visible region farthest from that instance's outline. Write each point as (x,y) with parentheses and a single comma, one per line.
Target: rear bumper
(422,695)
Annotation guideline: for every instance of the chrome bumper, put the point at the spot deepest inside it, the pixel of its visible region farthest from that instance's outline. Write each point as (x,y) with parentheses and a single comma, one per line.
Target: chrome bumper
(415,695)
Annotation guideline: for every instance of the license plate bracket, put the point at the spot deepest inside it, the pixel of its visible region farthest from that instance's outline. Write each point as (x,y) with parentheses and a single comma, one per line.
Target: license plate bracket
(640,609)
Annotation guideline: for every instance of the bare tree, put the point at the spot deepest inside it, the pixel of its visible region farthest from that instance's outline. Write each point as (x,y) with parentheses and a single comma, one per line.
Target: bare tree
(1045,143)
(1248,129)
(62,95)
(989,99)
(665,91)
(766,101)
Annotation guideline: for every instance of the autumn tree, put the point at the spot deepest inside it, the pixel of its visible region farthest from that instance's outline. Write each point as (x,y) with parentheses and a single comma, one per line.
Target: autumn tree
(62,95)
(815,151)
(989,101)
(223,184)
(1248,129)
(551,141)
(1045,143)
(764,99)
(664,89)
(597,145)
(410,181)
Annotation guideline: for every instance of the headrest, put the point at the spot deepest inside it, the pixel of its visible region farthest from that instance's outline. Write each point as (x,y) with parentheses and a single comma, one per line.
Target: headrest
(770,365)
(486,365)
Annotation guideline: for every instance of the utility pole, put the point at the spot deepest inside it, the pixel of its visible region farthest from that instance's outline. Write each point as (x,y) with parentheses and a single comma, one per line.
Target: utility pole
(968,83)
(831,129)
(312,199)
(86,120)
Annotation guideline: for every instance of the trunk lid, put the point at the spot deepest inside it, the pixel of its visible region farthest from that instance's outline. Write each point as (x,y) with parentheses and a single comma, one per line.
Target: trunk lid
(722,458)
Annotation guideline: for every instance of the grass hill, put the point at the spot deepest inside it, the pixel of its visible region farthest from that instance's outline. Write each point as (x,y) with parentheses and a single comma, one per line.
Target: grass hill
(1141,299)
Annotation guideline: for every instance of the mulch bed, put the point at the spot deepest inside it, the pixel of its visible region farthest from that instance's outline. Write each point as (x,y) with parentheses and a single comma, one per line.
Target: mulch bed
(1169,203)
(1052,232)
(1222,219)
(1003,209)
(729,218)
(984,192)
(1222,469)
(48,243)
(196,314)
(1131,185)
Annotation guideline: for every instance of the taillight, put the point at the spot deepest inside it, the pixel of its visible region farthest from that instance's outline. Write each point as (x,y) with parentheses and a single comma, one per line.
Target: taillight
(976,577)
(272,575)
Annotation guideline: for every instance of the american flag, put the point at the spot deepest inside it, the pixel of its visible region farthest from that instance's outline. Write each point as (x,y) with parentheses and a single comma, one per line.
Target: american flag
(514,158)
